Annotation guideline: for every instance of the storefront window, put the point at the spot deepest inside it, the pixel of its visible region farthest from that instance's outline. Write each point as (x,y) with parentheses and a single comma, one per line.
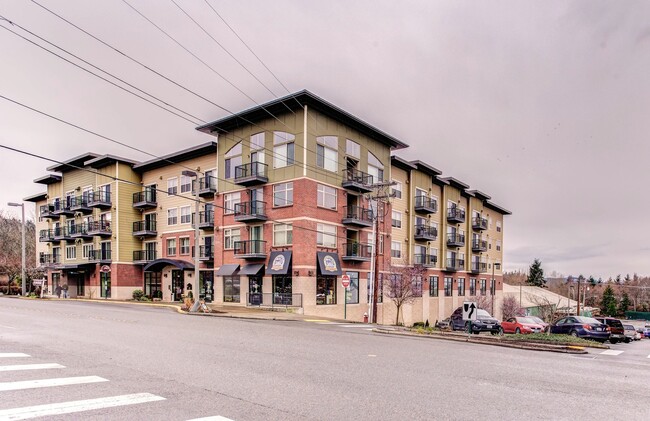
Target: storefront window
(152,285)
(352,293)
(231,289)
(105,284)
(325,290)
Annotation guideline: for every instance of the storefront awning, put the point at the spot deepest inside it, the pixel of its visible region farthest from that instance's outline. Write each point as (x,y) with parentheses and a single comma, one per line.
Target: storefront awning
(158,264)
(227,270)
(279,263)
(254,269)
(329,263)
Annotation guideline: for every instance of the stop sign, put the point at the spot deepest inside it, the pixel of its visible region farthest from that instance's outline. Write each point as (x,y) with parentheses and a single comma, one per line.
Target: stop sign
(345,281)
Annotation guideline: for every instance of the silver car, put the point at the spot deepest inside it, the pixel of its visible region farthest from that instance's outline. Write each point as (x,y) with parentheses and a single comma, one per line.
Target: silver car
(631,334)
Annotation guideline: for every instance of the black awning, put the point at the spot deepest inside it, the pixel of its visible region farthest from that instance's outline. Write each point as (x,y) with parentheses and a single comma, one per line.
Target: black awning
(158,264)
(227,270)
(329,263)
(254,269)
(279,263)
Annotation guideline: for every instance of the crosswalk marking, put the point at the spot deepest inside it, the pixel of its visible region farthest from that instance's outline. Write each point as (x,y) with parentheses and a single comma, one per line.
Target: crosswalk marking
(12,355)
(76,406)
(611,352)
(215,418)
(35,384)
(29,367)
(7,327)
(648,356)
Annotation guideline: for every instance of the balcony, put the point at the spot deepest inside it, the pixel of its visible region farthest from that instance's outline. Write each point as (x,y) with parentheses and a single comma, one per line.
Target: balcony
(79,231)
(206,220)
(453,265)
(207,186)
(61,209)
(251,174)
(46,211)
(80,204)
(424,204)
(479,245)
(356,215)
(45,259)
(145,199)
(456,215)
(356,180)
(144,229)
(426,260)
(60,234)
(357,252)
(252,211)
(101,256)
(479,267)
(100,228)
(425,233)
(144,256)
(46,236)
(479,223)
(455,240)
(100,199)
(206,253)
(250,249)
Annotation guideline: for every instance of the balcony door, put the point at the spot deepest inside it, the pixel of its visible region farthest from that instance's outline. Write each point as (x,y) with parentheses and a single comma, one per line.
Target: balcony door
(150,220)
(150,250)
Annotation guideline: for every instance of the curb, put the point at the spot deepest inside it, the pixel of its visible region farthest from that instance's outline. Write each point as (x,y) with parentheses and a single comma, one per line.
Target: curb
(531,347)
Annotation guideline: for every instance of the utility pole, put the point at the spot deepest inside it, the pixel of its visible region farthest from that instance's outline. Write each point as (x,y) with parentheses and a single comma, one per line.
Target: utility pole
(580,278)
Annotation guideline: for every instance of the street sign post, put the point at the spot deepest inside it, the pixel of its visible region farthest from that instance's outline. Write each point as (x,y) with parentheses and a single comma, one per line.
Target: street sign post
(345,282)
(469,313)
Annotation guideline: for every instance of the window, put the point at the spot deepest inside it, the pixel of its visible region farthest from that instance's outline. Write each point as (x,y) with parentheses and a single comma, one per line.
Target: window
(433,286)
(498,226)
(186,184)
(257,141)
(327,152)
(184,245)
(498,245)
(483,287)
(153,284)
(186,215)
(283,194)
(172,216)
(326,197)
(230,235)
(282,234)
(326,235)
(231,289)
(86,251)
(395,249)
(352,292)
(229,202)
(461,287)
(375,168)
(396,190)
(397,219)
(352,149)
(71,252)
(233,159)
(448,285)
(472,287)
(172,186)
(325,290)
(283,149)
(416,286)
(171,247)
(492,287)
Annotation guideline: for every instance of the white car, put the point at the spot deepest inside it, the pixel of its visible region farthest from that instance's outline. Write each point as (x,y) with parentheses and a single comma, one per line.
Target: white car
(631,334)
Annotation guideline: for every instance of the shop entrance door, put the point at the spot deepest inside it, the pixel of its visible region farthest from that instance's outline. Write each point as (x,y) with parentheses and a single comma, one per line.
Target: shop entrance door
(282,287)
(105,281)
(255,290)
(207,285)
(178,285)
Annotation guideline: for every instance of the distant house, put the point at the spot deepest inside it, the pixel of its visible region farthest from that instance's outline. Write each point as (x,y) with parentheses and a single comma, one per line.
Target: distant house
(535,300)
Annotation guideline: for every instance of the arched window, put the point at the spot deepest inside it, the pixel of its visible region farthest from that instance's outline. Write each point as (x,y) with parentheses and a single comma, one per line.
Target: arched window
(233,160)
(327,152)
(375,168)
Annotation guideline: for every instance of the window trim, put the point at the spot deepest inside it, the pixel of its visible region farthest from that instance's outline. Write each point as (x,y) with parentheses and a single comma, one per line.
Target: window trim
(324,194)
(167,246)
(175,179)
(285,194)
(285,231)
(323,234)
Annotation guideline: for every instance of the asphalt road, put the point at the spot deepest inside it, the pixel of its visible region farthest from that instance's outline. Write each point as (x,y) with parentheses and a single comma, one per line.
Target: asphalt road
(275,370)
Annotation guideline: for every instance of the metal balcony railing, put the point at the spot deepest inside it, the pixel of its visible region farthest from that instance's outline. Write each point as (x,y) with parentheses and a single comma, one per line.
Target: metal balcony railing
(253,210)
(357,251)
(144,255)
(141,228)
(102,228)
(425,259)
(251,173)
(357,180)
(425,232)
(456,215)
(425,204)
(99,199)
(357,215)
(250,249)
(456,239)
(145,199)
(100,255)
(273,299)
(479,223)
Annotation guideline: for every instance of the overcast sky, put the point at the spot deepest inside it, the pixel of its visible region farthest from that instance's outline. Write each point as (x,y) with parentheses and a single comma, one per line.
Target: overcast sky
(542,105)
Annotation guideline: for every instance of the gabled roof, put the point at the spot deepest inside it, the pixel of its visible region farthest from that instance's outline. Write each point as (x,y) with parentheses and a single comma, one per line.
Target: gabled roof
(48,179)
(104,160)
(39,197)
(70,164)
(294,102)
(497,208)
(177,157)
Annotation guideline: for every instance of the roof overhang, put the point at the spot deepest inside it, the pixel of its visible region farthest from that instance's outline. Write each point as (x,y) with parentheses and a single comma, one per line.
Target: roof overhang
(104,160)
(158,264)
(479,194)
(73,163)
(426,168)
(497,208)
(294,102)
(48,179)
(176,157)
(456,183)
(39,197)
(401,163)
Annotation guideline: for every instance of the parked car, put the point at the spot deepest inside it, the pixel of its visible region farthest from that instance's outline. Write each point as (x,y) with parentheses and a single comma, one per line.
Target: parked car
(646,331)
(483,323)
(631,334)
(539,322)
(521,325)
(581,327)
(444,324)
(616,329)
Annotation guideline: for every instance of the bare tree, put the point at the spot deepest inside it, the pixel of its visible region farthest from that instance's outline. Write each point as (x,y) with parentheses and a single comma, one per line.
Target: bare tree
(483,302)
(545,307)
(404,285)
(510,307)
(11,247)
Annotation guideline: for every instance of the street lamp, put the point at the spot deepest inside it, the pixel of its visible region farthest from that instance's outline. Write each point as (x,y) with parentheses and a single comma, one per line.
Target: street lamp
(22,271)
(197,286)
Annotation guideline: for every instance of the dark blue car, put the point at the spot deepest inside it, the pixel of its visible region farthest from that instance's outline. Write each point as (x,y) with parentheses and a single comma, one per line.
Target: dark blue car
(581,327)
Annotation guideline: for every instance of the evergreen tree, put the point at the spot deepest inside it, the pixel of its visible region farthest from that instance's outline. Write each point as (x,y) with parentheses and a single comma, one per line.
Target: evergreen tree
(536,275)
(625,304)
(608,303)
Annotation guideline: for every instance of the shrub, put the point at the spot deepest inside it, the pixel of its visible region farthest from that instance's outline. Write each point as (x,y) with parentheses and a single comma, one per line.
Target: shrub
(419,324)
(138,294)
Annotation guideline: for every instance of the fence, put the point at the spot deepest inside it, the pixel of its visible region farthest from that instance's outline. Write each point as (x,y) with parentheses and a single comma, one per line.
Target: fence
(271,299)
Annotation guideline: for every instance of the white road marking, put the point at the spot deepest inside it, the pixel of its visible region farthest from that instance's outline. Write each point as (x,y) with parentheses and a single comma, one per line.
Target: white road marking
(35,384)
(215,418)
(29,367)
(357,325)
(7,327)
(648,356)
(611,352)
(12,355)
(76,406)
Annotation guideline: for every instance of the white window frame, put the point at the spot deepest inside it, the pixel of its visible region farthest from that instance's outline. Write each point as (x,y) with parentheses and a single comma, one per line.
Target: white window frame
(230,235)
(180,246)
(326,235)
(229,202)
(396,219)
(395,249)
(288,187)
(86,250)
(322,193)
(170,245)
(281,149)
(172,186)
(330,146)
(185,184)
(397,189)
(172,216)
(186,214)
(351,144)
(282,231)
(71,252)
